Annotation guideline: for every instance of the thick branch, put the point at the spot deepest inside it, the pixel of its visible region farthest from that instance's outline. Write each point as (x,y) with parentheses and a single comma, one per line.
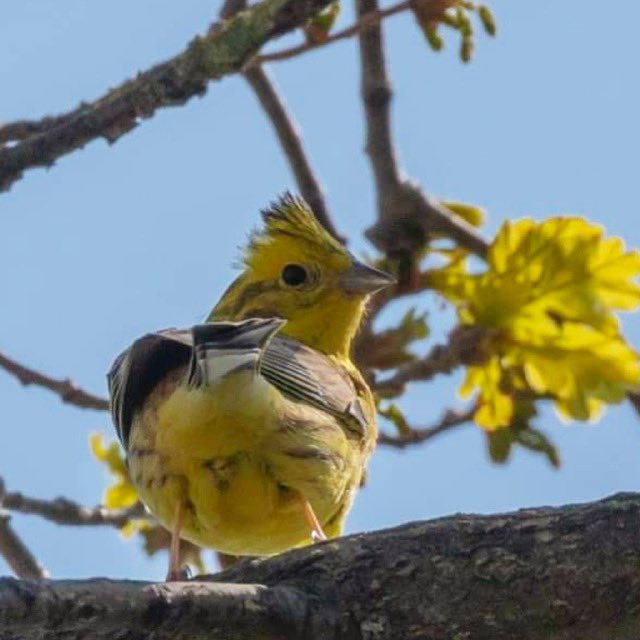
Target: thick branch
(68,392)
(565,573)
(222,51)
(21,129)
(107,609)
(231,7)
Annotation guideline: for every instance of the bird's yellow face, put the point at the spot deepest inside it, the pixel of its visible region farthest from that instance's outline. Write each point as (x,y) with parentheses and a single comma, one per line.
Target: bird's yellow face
(296,271)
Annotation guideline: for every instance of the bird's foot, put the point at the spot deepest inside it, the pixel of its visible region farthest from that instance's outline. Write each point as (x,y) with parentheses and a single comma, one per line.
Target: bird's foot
(178,575)
(317,534)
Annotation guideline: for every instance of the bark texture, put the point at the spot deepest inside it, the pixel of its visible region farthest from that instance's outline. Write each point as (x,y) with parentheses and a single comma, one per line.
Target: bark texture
(569,573)
(223,51)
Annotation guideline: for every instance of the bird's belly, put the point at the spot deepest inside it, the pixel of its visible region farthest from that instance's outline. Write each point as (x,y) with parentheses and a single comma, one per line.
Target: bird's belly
(233,503)
(241,483)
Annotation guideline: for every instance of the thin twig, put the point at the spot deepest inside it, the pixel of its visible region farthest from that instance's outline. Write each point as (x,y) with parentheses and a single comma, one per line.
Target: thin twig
(291,143)
(464,347)
(65,389)
(286,130)
(365,22)
(13,549)
(67,512)
(17,555)
(376,96)
(222,51)
(450,420)
(406,216)
(634,399)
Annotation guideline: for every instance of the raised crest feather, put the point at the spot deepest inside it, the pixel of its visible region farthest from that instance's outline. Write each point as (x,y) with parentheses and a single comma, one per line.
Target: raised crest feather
(291,216)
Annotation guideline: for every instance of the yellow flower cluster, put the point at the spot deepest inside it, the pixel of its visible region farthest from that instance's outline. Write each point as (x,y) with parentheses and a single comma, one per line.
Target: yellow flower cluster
(121,494)
(549,301)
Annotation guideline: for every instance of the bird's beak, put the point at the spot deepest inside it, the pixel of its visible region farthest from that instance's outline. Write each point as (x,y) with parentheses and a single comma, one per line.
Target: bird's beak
(362,279)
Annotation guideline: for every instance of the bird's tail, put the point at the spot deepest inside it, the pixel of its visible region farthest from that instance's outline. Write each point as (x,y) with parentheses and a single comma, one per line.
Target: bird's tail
(221,348)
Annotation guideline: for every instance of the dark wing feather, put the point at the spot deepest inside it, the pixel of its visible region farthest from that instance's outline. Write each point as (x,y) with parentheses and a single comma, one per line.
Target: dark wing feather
(137,371)
(309,376)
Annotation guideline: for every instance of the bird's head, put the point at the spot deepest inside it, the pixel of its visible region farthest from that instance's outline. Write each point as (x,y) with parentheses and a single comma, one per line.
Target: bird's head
(294,269)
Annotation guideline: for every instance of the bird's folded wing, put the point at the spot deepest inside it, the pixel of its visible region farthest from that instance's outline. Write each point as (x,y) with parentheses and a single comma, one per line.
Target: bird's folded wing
(294,369)
(309,376)
(139,369)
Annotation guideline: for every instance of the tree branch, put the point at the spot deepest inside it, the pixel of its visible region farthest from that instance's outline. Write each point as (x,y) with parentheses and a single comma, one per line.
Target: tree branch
(464,347)
(291,143)
(67,512)
(68,392)
(566,573)
(231,7)
(104,609)
(222,51)
(13,550)
(376,96)
(365,22)
(21,129)
(634,399)
(406,216)
(415,435)
(22,562)
(286,130)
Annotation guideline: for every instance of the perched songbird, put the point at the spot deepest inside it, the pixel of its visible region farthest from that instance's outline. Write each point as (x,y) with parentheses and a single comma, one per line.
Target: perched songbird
(250,433)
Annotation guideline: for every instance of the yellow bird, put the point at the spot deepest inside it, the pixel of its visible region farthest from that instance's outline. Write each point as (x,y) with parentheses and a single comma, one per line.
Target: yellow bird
(250,434)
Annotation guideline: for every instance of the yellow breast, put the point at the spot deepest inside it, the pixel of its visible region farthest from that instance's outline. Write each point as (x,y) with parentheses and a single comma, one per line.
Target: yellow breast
(239,456)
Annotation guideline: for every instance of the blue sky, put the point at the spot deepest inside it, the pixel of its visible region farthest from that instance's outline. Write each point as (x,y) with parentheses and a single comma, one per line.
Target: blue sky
(115,241)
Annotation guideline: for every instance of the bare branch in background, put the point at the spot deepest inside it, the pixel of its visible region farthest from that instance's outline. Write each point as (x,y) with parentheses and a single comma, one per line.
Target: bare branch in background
(16,554)
(376,96)
(222,51)
(416,435)
(286,130)
(65,389)
(291,143)
(67,512)
(176,81)
(464,347)
(634,399)
(406,216)
(15,131)
(365,22)
(13,549)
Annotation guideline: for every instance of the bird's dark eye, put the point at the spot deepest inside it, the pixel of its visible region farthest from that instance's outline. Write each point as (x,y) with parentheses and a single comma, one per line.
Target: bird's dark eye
(294,275)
